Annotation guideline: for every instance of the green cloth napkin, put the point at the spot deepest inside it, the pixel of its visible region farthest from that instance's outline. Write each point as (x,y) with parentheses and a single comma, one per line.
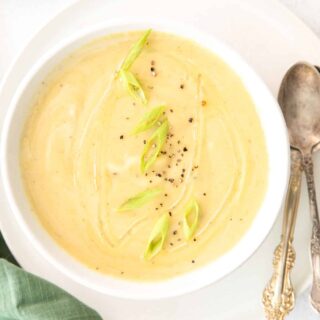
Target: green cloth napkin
(24,296)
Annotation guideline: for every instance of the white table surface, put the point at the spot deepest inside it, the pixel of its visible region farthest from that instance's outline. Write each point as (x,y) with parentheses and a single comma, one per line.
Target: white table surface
(20,19)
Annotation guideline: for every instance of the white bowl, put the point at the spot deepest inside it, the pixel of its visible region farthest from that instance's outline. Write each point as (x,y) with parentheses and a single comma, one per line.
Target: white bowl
(278,150)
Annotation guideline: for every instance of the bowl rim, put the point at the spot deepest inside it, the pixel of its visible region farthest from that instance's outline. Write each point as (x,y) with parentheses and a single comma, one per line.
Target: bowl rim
(190,281)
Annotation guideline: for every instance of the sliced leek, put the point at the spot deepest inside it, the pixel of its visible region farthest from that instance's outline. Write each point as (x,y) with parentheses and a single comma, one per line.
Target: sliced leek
(157,237)
(132,85)
(140,199)
(190,218)
(135,51)
(154,146)
(149,119)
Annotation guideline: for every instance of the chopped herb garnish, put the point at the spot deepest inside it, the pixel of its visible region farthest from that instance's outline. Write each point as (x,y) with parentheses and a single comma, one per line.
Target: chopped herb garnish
(190,218)
(150,119)
(133,86)
(157,237)
(135,51)
(140,199)
(154,146)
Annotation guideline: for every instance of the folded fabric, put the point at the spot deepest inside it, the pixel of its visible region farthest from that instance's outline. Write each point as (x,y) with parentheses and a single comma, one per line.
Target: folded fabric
(24,296)
(5,252)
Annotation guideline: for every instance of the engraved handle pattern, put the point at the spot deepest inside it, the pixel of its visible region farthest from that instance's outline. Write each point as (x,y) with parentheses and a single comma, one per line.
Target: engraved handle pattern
(277,309)
(278,296)
(315,237)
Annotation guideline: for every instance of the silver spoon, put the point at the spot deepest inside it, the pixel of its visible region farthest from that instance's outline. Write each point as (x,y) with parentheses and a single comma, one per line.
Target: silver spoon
(278,296)
(299,97)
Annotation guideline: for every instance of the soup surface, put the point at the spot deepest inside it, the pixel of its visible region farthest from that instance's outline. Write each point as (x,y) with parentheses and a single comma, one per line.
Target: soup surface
(81,161)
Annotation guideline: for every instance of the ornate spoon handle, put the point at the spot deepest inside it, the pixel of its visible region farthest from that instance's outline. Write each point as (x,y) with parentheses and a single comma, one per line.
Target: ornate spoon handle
(315,237)
(278,296)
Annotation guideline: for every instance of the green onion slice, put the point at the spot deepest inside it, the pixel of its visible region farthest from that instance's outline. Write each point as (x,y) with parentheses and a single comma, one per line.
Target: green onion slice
(135,51)
(190,218)
(157,237)
(133,86)
(154,146)
(149,119)
(140,199)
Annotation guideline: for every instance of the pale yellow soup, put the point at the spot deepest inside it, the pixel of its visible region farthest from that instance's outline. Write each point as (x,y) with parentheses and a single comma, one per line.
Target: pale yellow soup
(80,160)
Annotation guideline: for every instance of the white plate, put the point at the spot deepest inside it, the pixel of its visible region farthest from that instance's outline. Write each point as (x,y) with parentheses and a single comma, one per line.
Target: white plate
(270,39)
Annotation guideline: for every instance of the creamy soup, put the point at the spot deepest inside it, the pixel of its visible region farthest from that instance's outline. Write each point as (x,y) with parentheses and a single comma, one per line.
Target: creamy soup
(81,156)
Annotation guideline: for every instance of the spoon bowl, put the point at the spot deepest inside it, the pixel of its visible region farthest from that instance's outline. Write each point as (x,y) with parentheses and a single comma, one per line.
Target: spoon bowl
(299,98)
